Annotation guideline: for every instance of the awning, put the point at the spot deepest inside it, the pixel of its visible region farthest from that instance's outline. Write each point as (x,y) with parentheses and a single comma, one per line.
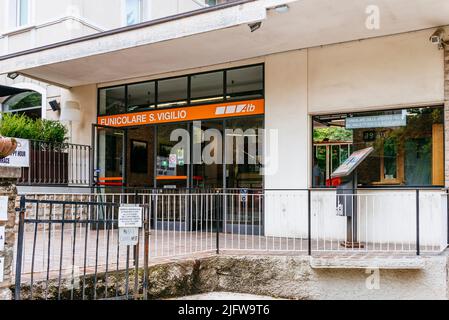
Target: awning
(9,91)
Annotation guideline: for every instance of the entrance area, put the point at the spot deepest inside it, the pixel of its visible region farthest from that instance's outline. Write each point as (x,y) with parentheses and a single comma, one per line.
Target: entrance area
(228,155)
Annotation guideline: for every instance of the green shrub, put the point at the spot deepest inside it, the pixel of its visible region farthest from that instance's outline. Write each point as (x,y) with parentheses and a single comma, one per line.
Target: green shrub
(23,127)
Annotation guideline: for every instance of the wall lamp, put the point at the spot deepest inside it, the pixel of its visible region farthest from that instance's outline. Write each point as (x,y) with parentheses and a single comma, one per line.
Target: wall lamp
(55,105)
(13,75)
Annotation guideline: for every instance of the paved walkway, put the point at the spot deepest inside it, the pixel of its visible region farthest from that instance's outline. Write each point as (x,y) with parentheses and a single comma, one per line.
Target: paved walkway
(89,251)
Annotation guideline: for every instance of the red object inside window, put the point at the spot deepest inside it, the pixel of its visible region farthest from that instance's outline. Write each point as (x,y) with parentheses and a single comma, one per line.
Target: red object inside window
(334,182)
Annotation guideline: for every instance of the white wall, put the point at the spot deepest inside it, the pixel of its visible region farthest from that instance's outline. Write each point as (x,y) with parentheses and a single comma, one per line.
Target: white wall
(286,112)
(390,71)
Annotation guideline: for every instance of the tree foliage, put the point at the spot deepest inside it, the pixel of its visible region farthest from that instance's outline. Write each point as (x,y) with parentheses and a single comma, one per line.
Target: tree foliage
(332,134)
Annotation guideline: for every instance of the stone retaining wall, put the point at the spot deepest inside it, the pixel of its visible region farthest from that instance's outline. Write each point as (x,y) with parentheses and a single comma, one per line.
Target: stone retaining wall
(275,276)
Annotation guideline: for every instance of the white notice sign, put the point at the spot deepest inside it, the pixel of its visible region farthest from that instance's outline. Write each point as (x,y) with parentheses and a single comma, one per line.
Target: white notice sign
(130,217)
(3,208)
(20,157)
(2,238)
(2,266)
(128,236)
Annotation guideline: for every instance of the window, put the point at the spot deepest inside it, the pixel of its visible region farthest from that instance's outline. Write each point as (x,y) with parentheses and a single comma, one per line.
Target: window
(134,10)
(408,146)
(207,87)
(27,103)
(245,83)
(112,100)
(141,96)
(172,92)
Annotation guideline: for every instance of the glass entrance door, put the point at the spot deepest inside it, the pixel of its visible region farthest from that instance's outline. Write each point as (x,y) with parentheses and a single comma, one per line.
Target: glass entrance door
(110,148)
(209,174)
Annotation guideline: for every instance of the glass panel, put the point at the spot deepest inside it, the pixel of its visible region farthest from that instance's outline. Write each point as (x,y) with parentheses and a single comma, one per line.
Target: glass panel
(25,100)
(408,145)
(172,92)
(133,12)
(390,159)
(319,166)
(26,103)
(418,161)
(207,87)
(209,174)
(141,96)
(140,168)
(23,12)
(171,163)
(112,101)
(243,153)
(245,83)
(110,156)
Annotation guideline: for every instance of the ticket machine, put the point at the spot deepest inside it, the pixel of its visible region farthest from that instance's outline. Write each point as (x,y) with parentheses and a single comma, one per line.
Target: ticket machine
(347,194)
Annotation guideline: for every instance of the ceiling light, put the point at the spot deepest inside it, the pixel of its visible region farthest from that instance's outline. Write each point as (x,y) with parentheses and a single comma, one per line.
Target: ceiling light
(255,26)
(282,8)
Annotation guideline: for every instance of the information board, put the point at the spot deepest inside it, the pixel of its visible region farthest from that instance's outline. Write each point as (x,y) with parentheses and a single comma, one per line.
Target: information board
(3,208)
(128,236)
(352,163)
(130,217)
(2,238)
(20,158)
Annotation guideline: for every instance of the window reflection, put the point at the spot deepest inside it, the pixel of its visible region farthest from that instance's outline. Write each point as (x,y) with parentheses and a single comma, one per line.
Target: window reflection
(408,146)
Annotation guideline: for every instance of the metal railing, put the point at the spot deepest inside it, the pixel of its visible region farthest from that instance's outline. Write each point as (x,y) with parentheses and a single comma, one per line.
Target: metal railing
(64,235)
(57,164)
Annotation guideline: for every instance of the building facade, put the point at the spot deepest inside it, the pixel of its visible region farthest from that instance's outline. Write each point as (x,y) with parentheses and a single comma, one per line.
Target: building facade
(267,94)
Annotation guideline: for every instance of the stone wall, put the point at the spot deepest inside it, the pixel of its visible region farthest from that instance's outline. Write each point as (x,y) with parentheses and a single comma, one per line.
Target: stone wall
(8,177)
(446,113)
(285,277)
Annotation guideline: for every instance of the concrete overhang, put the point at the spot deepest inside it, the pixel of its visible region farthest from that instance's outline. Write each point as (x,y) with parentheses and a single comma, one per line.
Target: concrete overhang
(218,36)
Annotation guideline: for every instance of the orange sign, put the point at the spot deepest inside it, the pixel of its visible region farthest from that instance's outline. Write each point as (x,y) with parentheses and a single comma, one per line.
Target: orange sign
(210,111)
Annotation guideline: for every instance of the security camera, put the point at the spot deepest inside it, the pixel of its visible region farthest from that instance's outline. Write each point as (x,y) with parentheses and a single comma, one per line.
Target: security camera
(437,38)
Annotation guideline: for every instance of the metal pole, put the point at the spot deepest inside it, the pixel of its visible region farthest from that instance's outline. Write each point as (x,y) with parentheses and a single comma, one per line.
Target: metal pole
(418,251)
(447,211)
(309,220)
(217,225)
(20,247)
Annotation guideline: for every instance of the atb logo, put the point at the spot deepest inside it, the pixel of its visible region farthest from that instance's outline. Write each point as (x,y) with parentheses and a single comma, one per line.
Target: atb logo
(235,109)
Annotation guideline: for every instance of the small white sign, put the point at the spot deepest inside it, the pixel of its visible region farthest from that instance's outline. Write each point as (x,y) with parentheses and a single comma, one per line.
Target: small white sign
(2,238)
(130,217)
(3,208)
(20,157)
(2,266)
(128,236)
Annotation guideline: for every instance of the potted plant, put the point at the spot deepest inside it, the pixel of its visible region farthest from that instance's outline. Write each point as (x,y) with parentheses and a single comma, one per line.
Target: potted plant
(7,147)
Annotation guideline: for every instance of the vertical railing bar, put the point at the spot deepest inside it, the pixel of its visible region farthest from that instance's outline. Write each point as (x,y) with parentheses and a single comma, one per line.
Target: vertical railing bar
(418,249)
(19,256)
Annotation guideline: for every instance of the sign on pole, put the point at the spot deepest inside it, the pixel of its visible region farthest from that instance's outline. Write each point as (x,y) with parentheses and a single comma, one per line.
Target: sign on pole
(3,208)
(130,217)
(20,158)
(128,236)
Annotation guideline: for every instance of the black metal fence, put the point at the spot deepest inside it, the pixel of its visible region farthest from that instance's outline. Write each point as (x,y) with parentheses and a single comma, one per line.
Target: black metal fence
(75,253)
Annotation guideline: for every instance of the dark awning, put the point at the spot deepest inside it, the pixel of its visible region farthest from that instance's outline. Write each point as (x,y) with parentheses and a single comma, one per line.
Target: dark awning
(9,91)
